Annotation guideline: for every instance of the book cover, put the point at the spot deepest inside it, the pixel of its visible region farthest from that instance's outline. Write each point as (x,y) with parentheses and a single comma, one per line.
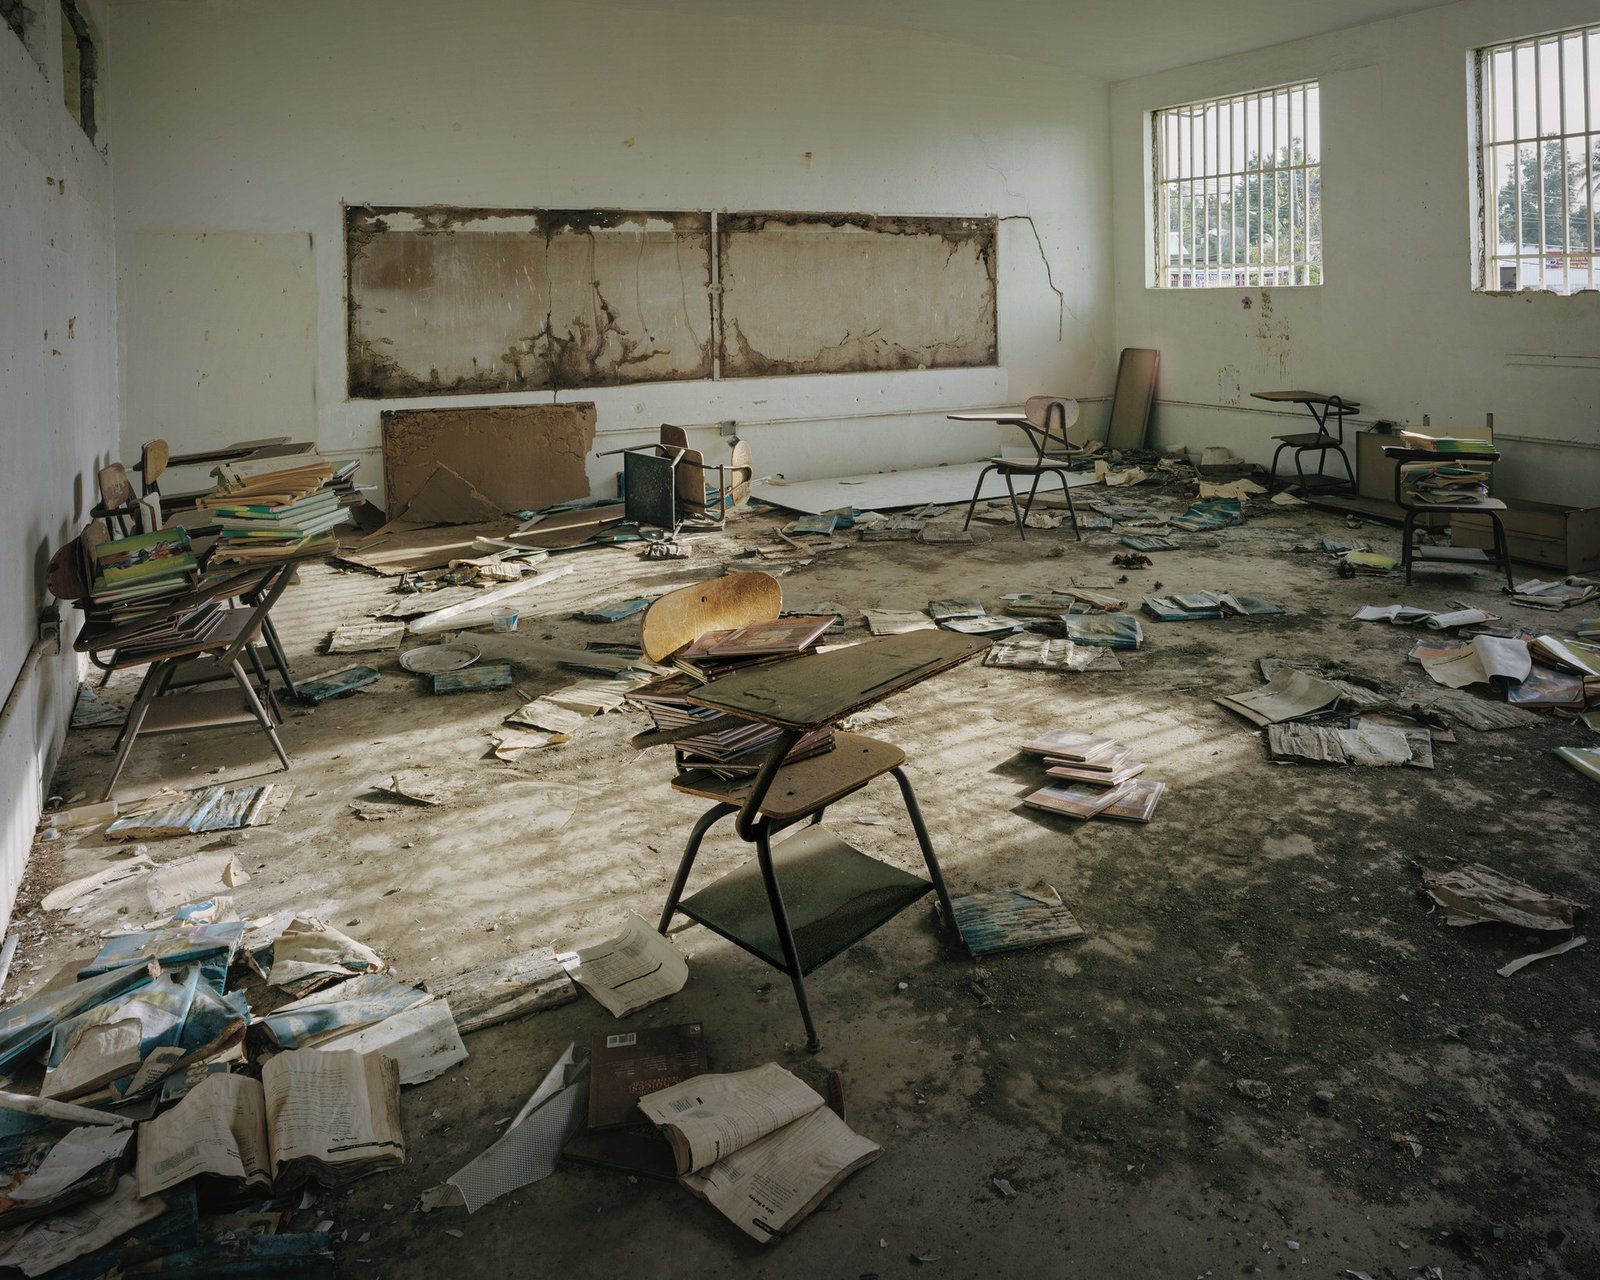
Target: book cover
(1069,744)
(1078,800)
(145,555)
(1137,802)
(782,635)
(627,1065)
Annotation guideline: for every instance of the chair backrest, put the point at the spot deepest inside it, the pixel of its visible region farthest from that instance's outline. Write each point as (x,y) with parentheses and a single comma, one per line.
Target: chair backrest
(1053,415)
(1134,394)
(116,490)
(683,616)
(152,462)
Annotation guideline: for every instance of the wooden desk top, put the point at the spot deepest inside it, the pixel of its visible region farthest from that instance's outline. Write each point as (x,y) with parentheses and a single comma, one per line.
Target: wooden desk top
(1307,398)
(999,415)
(817,689)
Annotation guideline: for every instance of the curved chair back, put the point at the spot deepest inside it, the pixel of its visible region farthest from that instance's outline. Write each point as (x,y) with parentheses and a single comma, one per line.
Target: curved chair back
(1053,415)
(684,615)
(152,462)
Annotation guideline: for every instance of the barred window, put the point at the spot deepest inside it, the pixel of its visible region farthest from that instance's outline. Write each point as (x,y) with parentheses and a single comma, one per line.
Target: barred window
(1238,190)
(1538,153)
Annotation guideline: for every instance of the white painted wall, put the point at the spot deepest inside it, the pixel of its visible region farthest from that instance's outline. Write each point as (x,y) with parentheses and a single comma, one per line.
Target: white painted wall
(259,117)
(1397,325)
(58,410)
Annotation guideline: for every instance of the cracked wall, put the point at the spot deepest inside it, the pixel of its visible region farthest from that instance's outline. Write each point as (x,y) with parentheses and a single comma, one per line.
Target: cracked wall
(847,293)
(448,301)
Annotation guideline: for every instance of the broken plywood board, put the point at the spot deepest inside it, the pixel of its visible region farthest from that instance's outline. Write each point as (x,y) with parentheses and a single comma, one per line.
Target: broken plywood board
(519,457)
(446,497)
(1010,919)
(505,989)
(889,489)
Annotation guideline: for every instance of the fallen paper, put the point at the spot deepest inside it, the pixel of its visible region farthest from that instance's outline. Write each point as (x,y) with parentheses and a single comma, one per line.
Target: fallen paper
(1522,962)
(183,813)
(417,787)
(529,1149)
(511,745)
(69,895)
(219,1128)
(55,1241)
(1484,659)
(1289,695)
(81,1152)
(1375,745)
(544,714)
(192,879)
(422,1040)
(1046,653)
(1476,894)
(337,1011)
(894,622)
(631,971)
(366,637)
(309,952)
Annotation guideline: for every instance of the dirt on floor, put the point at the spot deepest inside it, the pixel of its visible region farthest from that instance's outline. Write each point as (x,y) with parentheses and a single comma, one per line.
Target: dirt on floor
(1267,1055)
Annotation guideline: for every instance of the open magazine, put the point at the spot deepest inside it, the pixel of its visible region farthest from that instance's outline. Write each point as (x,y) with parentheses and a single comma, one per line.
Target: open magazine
(760,1145)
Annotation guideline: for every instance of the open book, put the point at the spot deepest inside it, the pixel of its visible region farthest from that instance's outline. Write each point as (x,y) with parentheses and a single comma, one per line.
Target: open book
(760,1145)
(326,1115)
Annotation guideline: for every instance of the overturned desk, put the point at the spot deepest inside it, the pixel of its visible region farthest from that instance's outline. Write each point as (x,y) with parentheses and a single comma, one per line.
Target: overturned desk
(801,904)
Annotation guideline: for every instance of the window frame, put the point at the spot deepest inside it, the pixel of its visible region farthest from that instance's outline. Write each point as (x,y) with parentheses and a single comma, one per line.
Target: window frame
(1578,267)
(1227,160)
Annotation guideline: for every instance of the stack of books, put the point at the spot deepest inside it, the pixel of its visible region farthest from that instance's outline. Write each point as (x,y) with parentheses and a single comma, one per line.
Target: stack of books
(138,579)
(739,749)
(1092,775)
(1444,482)
(271,507)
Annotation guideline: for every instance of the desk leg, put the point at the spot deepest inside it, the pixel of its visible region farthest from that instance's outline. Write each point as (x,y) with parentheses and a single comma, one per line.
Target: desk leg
(921,829)
(709,819)
(780,918)
(262,718)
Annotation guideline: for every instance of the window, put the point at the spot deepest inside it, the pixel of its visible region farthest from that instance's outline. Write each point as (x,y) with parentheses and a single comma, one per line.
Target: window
(80,67)
(1539,162)
(1238,191)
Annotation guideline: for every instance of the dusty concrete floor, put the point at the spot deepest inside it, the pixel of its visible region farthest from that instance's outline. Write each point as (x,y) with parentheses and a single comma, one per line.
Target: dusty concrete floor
(1263,927)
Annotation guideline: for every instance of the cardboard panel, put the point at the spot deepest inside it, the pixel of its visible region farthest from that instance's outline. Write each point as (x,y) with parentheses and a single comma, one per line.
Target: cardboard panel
(519,456)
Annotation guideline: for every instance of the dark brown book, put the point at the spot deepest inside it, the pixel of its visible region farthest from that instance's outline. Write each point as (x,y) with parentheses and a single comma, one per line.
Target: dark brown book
(645,1152)
(627,1065)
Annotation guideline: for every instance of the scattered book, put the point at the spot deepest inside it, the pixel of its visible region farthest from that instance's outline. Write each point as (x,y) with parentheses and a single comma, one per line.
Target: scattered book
(1076,800)
(629,1064)
(328,1116)
(1010,919)
(1104,630)
(760,1145)
(1136,802)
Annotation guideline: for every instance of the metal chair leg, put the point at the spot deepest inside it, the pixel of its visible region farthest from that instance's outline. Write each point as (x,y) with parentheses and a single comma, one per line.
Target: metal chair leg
(976,490)
(269,633)
(920,828)
(1347,468)
(1016,513)
(130,731)
(266,683)
(254,703)
(709,819)
(780,920)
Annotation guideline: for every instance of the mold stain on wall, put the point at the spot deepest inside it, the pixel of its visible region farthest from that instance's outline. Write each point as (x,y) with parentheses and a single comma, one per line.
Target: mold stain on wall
(445,300)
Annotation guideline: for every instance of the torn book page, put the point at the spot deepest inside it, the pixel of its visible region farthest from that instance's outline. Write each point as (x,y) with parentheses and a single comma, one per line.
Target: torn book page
(69,895)
(529,1149)
(422,1040)
(631,971)
(80,1153)
(1476,894)
(1289,695)
(45,1245)
(1522,962)
(309,954)
(1483,659)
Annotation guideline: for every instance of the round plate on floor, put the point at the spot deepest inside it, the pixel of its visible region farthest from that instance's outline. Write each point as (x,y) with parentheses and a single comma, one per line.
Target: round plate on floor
(436,659)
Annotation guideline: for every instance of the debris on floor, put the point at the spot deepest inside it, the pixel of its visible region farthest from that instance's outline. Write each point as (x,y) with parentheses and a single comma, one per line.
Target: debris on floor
(1011,919)
(1092,775)
(630,971)
(335,684)
(181,813)
(1476,894)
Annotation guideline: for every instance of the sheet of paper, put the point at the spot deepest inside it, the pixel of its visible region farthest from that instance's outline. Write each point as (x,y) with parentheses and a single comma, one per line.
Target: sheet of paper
(69,895)
(1289,695)
(219,1127)
(529,1149)
(422,1040)
(775,1182)
(308,949)
(81,1151)
(1522,962)
(631,971)
(191,879)
(712,1116)
(53,1242)
(1485,658)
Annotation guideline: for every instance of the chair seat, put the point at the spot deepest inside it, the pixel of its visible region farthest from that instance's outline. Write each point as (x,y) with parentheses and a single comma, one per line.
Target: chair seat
(1310,440)
(1045,463)
(807,785)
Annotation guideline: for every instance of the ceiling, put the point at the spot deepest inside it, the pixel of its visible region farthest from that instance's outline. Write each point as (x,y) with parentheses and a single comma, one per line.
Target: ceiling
(1106,39)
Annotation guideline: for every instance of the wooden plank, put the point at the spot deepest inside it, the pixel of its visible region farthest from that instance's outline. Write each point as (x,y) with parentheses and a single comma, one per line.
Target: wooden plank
(733,600)
(491,675)
(820,688)
(505,989)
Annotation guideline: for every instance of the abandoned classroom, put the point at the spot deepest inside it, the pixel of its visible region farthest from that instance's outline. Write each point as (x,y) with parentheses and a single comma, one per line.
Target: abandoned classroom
(705,639)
